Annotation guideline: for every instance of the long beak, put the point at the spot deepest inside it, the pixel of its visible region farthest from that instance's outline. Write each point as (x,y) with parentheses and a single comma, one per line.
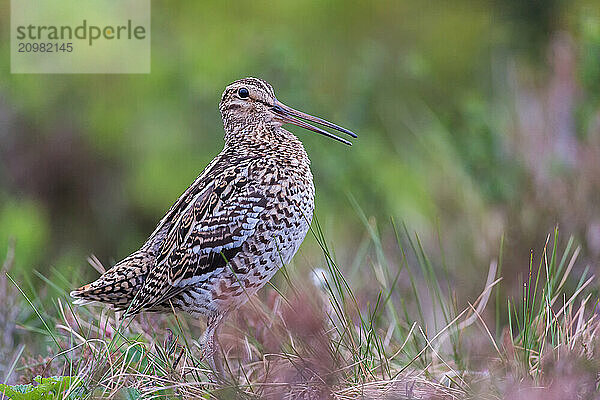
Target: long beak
(289,115)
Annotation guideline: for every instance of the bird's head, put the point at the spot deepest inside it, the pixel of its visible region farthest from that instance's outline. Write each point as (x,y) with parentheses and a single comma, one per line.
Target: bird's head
(251,102)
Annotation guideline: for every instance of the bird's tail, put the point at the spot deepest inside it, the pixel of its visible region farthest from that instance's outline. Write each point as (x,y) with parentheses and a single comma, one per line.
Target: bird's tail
(118,285)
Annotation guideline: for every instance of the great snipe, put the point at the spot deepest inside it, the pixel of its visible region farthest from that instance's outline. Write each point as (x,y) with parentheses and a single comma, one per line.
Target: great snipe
(243,218)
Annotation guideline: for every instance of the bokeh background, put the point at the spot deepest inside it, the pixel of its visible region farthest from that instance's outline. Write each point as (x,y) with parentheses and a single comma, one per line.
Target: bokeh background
(476,119)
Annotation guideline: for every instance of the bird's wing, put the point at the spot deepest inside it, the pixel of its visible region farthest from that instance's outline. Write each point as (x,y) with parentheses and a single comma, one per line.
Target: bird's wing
(208,232)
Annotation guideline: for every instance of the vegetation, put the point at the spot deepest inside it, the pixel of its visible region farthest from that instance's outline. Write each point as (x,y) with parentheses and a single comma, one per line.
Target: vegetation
(323,340)
(478,128)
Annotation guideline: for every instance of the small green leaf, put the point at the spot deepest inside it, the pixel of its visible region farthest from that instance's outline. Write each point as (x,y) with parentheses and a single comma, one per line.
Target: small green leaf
(47,388)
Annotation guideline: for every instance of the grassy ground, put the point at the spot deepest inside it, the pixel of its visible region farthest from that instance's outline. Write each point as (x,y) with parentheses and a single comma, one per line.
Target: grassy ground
(393,330)
(474,120)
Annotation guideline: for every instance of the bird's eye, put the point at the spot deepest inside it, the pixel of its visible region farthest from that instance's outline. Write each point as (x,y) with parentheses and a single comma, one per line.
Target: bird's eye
(243,93)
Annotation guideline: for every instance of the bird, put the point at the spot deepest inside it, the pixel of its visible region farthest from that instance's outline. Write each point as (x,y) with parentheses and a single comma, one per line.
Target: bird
(240,221)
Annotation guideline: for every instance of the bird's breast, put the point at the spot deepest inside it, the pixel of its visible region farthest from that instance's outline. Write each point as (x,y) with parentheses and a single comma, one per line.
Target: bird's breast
(282,226)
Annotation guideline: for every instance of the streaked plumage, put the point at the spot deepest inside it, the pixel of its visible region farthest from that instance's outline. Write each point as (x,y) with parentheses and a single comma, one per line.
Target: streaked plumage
(243,218)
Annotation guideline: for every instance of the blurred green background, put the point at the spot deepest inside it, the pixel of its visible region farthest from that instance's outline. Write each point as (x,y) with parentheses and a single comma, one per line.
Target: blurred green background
(475,119)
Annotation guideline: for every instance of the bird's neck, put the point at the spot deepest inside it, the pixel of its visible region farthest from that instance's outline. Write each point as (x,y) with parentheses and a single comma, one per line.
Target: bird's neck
(268,141)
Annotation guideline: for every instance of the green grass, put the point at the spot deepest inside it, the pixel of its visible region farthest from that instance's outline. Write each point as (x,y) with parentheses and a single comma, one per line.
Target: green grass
(386,327)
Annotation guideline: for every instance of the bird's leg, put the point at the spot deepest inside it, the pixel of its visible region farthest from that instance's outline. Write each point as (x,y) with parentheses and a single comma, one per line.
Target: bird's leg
(210,345)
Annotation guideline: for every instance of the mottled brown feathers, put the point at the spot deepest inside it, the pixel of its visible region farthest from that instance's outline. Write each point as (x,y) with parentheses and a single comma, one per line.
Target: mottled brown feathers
(231,230)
